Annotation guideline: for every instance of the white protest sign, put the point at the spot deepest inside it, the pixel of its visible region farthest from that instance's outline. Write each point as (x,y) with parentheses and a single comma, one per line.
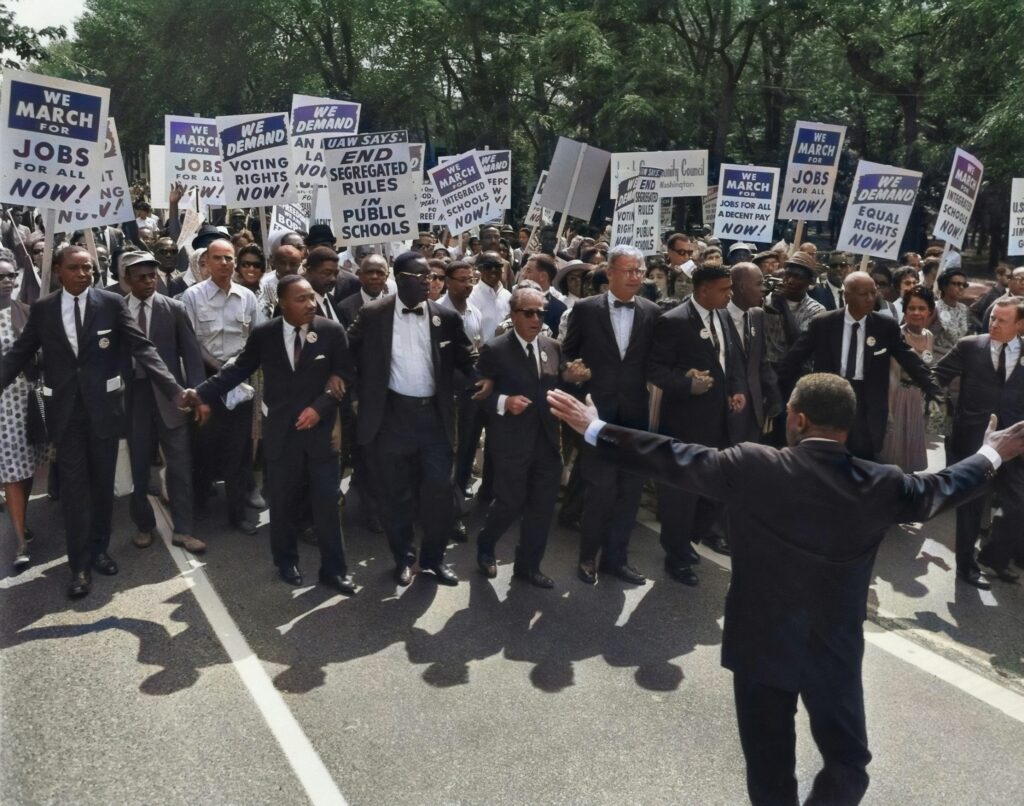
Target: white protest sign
(958,202)
(1015,244)
(538,216)
(313,119)
(370,186)
(429,206)
(190,224)
(811,173)
(416,166)
(292,217)
(575,178)
(193,156)
(52,142)
(879,208)
(665,216)
(256,154)
(497,167)
(746,203)
(709,204)
(463,192)
(320,208)
(635,221)
(115,197)
(683,173)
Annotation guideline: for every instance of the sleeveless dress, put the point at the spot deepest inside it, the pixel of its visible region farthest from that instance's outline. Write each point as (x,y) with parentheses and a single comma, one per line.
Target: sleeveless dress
(18,459)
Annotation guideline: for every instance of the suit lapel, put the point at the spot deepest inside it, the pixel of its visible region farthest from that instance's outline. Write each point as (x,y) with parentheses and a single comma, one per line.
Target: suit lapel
(91,306)
(435,335)
(307,345)
(55,303)
(606,323)
(388,322)
(285,348)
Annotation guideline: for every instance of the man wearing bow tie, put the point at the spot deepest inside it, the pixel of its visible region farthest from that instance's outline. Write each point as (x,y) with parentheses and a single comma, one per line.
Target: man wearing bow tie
(406,351)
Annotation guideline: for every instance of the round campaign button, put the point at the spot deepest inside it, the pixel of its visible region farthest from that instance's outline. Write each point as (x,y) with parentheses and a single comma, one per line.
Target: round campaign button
(704,334)
(311,337)
(104,344)
(436,321)
(870,342)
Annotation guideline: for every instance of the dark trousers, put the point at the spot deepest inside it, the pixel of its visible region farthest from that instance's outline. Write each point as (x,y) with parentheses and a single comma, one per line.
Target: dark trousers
(85,465)
(610,504)
(1005,539)
(859,443)
(413,452)
(147,428)
(526,485)
(575,487)
(220,449)
(297,482)
(685,518)
(471,421)
(765,716)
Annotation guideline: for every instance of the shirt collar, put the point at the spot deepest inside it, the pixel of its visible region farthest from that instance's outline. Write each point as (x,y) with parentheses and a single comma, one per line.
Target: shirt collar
(212,288)
(135,302)
(612,299)
(704,312)
(735,311)
(71,297)
(523,342)
(849,319)
(289,328)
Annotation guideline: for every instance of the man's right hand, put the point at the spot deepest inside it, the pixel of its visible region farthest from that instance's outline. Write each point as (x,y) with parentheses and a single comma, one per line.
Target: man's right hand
(517,404)
(576,372)
(1008,443)
(176,192)
(701,381)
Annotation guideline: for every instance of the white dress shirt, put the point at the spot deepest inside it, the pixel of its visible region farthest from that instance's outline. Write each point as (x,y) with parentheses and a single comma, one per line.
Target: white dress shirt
(412,363)
(289,339)
(536,360)
(471,320)
(711,323)
(1012,354)
(222,319)
(324,304)
(67,313)
(736,313)
(622,321)
(134,303)
(367,299)
(493,304)
(858,373)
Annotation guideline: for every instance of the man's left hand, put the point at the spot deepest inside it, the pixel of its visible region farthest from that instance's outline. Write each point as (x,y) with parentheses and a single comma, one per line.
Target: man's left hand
(308,419)
(736,403)
(570,411)
(335,387)
(203,412)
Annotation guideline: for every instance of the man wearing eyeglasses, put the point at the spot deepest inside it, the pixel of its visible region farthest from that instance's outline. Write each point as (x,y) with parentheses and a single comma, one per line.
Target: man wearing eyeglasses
(489,296)
(679,254)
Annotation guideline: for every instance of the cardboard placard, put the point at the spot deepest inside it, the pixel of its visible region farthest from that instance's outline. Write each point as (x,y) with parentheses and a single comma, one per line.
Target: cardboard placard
(314,119)
(1015,243)
(878,211)
(811,172)
(256,156)
(464,194)
(637,212)
(683,173)
(962,190)
(746,203)
(115,197)
(193,156)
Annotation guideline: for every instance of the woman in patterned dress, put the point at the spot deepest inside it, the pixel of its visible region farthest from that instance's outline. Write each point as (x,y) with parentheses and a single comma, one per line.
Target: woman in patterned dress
(18,457)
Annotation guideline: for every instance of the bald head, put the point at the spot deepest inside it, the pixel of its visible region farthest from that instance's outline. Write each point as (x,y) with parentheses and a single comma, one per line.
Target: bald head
(860,292)
(747,283)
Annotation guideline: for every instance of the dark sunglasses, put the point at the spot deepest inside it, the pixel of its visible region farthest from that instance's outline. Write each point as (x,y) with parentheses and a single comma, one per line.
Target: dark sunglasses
(531,312)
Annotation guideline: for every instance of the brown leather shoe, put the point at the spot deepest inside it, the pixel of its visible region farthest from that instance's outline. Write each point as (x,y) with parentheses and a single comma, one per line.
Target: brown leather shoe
(189,543)
(143,540)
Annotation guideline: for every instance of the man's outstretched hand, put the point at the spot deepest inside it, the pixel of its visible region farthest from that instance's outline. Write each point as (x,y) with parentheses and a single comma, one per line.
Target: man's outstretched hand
(570,411)
(1009,442)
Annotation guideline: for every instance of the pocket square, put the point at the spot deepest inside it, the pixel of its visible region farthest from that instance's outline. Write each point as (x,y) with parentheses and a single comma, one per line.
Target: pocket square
(883,351)
(102,332)
(444,343)
(320,357)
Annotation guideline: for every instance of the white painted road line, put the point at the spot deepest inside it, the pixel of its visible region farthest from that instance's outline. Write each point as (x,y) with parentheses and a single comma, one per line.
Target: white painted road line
(304,760)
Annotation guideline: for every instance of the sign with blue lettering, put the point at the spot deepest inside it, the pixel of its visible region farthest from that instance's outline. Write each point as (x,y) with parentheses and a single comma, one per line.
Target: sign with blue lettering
(878,210)
(193,157)
(958,202)
(52,142)
(256,158)
(314,119)
(115,198)
(811,173)
(746,203)
(463,193)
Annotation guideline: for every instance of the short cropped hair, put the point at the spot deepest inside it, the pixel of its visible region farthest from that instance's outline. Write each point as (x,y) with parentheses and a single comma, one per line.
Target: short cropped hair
(1011,302)
(709,273)
(624,250)
(320,254)
(287,282)
(827,400)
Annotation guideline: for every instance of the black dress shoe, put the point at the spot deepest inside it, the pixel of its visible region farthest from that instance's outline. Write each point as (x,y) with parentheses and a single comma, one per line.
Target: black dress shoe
(1004,573)
(972,576)
(342,584)
(718,544)
(290,574)
(681,573)
(244,525)
(587,572)
(487,565)
(626,573)
(443,574)
(103,564)
(403,575)
(81,584)
(459,533)
(535,578)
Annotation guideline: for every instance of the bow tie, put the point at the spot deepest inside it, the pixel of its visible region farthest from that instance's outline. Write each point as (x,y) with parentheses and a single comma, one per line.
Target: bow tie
(418,311)
(620,304)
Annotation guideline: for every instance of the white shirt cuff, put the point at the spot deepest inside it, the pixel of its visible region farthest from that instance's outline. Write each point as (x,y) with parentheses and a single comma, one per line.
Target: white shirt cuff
(501,404)
(992,455)
(590,435)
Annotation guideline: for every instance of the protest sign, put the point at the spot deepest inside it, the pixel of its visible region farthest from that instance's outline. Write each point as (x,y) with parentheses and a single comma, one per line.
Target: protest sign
(115,198)
(811,173)
(292,217)
(665,217)
(683,173)
(190,224)
(538,216)
(256,154)
(635,221)
(709,204)
(371,190)
(429,206)
(314,119)
(497,166)
(463,192)
(574,179)
(193,156)
(958,202)
(879,208)
(320,208)
(1015,245)
(52,136)
(746,203)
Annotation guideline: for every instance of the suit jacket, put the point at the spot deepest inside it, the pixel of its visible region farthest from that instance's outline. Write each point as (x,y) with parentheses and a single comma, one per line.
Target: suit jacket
(171,332)
(679,347)
(760,386)
(618,384)
(822,342)
(554,308)
(981,393)
(108,330)
(823,295)
(346,285)
(370,338)
(348,309)
(504,361)
(286,392)
(804,527)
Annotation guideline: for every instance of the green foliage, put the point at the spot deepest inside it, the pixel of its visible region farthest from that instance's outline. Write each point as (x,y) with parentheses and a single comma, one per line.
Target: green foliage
(25,44)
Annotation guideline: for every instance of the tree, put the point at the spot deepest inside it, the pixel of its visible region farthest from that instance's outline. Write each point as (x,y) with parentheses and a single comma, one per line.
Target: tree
(26,44)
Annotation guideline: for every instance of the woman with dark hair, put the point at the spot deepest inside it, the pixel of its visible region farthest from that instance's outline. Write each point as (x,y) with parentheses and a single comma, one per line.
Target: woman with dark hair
(250,267)
(952,319)
(905,441)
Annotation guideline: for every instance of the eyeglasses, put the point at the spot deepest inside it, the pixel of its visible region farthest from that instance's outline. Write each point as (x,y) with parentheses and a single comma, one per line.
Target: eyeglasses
(530,313)
(630,272)
(423,277)
(437,278)
(681,251)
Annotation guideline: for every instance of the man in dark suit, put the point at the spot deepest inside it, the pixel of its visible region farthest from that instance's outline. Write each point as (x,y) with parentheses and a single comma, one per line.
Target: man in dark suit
(522,365)
(696,364)
(761,387)
(991,380)
(305,361)
(406,350)
(154,418)
(857,343)
(373,277)
(607,348)
(84,332)
(806,523)
(542,270)
(831,293)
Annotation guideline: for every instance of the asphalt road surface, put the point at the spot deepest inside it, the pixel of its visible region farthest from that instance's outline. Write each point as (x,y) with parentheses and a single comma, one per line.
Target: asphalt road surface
(183,681)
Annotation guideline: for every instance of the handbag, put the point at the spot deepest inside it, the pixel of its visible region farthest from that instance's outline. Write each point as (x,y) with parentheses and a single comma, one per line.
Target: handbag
(35,421)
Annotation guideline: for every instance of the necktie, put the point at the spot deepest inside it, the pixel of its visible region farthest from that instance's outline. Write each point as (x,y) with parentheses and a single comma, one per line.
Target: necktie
(533,359)
(297,348)
(841,302)
(326,311)
(417,311)
(851,352)
(714,334)
(78,325)
(1001,367)
(139,371)
(620,304)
